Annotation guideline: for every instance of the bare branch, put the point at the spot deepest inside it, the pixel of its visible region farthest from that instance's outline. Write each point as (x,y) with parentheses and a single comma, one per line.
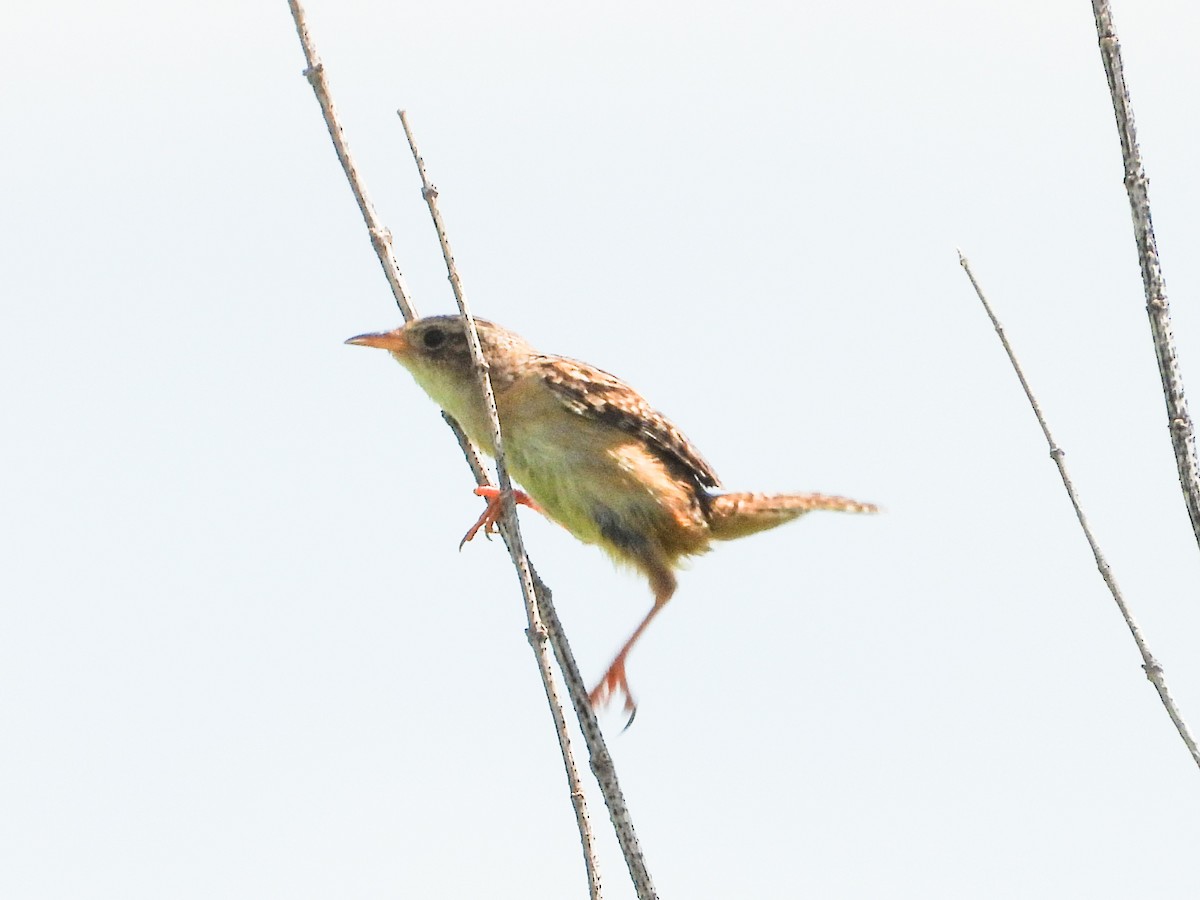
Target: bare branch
(599,758)
(1150,665)
(511,529)
(601,762)
(1179,422)
(381,238)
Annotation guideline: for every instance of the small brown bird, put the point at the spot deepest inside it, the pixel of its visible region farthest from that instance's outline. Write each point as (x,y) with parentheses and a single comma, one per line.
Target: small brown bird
(593,455)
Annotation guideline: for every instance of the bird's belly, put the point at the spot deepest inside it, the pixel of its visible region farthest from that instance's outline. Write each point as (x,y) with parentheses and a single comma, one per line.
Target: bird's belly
(606,488)
(567,489)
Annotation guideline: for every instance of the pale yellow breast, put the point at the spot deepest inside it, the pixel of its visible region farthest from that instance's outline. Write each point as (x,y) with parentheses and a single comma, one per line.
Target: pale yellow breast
(460,397)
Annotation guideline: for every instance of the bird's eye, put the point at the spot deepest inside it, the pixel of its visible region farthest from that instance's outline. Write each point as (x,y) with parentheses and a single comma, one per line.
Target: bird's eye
(433,338)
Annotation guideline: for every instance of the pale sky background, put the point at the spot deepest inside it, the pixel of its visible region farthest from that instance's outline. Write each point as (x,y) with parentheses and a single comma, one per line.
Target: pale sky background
(240,654)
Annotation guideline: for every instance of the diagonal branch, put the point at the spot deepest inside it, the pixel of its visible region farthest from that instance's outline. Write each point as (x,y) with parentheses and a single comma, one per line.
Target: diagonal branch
(511,529)
(1179,422)
(601,762)
(381,238)
(539,603)
(1150,665)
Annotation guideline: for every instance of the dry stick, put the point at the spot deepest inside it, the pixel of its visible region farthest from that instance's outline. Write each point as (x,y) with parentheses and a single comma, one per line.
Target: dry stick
(511,528)
(540,605)
(381,240)
(1183,438)
(381,237)
(1149,664)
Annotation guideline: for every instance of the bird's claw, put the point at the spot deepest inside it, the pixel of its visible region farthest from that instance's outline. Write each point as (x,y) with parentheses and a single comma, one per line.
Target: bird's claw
(612,684)
(494,511)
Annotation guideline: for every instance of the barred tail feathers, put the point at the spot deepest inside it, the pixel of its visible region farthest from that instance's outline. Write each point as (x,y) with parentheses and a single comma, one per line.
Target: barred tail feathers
(733,516)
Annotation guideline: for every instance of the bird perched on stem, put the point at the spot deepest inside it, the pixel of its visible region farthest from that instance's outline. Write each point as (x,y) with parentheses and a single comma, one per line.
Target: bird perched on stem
(593,455)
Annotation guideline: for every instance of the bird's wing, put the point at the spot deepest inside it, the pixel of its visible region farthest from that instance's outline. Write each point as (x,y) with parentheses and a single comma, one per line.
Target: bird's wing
(594,393)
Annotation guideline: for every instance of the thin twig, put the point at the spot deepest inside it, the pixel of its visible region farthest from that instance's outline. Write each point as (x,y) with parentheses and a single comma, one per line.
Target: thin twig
(382,242)
(1179,422)
(599,758)
(1150,665)
(381,238)
(511,528)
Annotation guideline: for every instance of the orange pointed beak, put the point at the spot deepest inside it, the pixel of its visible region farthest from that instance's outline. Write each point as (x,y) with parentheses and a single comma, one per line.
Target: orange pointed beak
(393,341)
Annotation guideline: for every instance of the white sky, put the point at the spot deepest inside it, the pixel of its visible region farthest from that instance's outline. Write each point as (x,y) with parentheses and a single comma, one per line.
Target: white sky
(240,655)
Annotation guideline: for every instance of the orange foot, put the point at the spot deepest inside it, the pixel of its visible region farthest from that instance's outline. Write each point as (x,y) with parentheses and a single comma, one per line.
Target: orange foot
(613,684)
(494,511)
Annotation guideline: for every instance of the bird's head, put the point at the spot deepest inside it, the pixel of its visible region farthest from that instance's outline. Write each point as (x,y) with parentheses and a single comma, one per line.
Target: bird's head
(436,351)
(437,346)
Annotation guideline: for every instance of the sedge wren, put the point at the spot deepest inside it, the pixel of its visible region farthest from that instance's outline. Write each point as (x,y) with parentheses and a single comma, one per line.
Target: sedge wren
(594,456)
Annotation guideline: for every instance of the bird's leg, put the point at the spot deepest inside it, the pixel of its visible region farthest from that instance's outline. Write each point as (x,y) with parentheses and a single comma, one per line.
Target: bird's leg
(495,510)
(614,681)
